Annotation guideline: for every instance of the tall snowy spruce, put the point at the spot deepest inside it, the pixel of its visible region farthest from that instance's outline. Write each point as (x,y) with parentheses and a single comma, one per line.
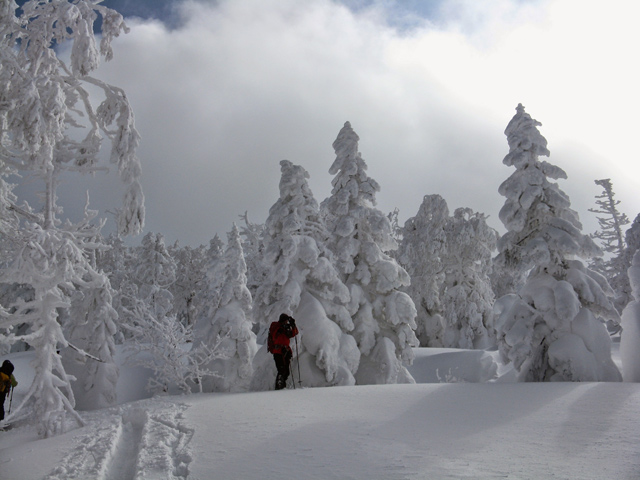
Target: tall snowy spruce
(361,236)
(49,129)
(552,329)
(226,325)
(301,281)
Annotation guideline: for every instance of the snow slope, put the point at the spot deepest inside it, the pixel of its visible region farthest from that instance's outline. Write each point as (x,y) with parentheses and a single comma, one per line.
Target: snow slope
(436,431)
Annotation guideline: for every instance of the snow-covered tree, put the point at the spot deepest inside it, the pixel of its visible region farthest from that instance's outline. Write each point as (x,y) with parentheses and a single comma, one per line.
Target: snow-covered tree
(610,219)
(611,236)
(448,260)
(423,246)
(190,273)
(210,256)
(45,108)
(622,280)
(630,338)
(155,273)
(550,329)
(158,340)
(54,262)
(118,263)
(302,282)
(92,329)
(468,297)
(253,247)
(227,321)
(361,236)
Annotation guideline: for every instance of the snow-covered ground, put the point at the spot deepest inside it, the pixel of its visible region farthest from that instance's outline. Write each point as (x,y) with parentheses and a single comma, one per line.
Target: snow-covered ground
(480,430)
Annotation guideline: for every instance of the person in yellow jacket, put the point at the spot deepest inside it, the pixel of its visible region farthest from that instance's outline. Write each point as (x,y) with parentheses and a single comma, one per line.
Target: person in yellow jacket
(7,382)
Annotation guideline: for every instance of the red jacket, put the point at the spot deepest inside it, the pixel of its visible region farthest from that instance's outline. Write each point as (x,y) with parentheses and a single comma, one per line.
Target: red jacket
(279,338)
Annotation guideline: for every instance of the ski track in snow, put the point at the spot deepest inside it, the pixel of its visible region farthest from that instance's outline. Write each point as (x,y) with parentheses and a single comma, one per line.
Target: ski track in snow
(145,440)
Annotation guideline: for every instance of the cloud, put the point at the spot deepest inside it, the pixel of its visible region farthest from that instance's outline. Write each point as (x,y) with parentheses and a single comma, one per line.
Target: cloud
(239,85)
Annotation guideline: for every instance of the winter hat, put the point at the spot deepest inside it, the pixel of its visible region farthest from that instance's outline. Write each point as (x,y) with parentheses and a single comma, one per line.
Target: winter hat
(7,367)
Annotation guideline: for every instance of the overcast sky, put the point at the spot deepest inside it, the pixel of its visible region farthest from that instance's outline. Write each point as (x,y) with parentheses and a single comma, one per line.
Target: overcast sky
(224,90)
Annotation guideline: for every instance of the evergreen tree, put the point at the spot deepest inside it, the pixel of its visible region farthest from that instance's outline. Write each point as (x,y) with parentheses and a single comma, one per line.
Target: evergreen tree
(361,236)
(630,337)
(449,259)
(468,297)
(45,102)
(611,220)
(550,330)
(253,247)
(155,273)
(612,240)
(302,281)
(93,330)
(226,324)
(190,273)
(423,246)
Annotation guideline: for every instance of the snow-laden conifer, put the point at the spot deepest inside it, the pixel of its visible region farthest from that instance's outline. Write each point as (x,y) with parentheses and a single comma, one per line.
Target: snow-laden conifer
(155,273)
(550,329)
(468,297)
(226,323)
(611,236)
(190,273)
(361,236)
(630,337)
(253,247)
(632,245)
(92,329)
(302,281)
(423,247)
(448,260)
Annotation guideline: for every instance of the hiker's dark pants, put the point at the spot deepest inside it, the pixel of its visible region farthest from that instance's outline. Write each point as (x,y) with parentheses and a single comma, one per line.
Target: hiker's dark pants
(282,364)
(3,396)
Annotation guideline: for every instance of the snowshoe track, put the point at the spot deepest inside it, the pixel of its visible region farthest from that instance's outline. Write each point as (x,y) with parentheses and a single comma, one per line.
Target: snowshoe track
(145,440)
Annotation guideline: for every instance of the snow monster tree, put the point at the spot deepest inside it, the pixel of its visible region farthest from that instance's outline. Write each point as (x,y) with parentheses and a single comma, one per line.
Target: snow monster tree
(361,236)
(550,329)
(301,281)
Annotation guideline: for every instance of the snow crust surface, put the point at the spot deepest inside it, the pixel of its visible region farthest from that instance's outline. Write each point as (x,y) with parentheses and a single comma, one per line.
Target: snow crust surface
(495,429)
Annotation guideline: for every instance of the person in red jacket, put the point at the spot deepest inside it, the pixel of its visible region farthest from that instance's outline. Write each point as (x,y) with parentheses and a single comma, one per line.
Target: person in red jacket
(278,344)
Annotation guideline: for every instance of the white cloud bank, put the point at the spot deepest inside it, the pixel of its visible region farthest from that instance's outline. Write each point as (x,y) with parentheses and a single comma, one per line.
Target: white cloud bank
(242,84)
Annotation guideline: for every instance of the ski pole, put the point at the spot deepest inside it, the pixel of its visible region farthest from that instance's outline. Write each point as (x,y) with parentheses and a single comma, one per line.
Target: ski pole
(10,401)
(298,361)
(293,378)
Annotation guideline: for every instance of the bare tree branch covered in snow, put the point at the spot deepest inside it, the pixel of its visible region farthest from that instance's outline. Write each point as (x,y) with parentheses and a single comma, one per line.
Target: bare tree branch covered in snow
(48,129)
